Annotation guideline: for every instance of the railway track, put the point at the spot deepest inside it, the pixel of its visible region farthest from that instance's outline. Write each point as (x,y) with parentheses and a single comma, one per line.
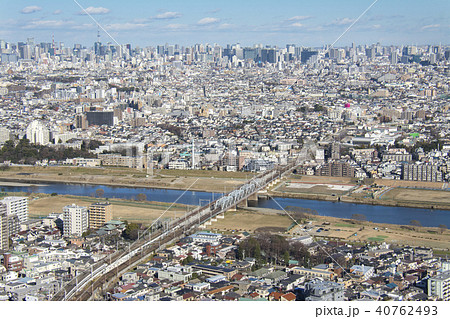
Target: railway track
(101,274)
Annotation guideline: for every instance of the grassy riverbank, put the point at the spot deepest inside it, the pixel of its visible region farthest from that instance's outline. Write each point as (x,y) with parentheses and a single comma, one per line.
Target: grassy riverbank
(197,180)
(144,212)
(333,229)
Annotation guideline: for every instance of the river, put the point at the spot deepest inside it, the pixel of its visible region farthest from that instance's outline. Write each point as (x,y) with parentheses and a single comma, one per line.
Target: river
(378,214)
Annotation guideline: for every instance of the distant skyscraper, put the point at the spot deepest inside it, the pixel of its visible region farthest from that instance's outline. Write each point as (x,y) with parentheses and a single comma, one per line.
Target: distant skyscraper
(97,48)
(370,53)
(432,58)
(307,54)
(394,57)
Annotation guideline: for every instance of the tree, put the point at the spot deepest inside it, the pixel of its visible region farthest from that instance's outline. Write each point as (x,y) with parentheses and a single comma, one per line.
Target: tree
(141,197)
(187,260)
(442,228)
(99,192)
(286,258)
(86,233)
(131,231)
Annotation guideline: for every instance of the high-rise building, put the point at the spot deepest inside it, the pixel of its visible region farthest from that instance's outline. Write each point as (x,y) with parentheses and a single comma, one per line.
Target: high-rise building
(38,133)
(370,53)
(100,118)
(439,286)
(75,220)
(394,57)
(17,206)
(99,214)
(81,121)
(307,54)
(4,236)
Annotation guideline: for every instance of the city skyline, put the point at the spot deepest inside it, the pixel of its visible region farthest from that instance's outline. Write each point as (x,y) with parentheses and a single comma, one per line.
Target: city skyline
(301,23)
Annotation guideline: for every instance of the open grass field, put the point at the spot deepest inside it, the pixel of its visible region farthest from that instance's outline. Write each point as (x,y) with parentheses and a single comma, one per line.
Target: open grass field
(376,232)
(249,221)
(140,212)
(337,229)
(419,195)
(402,183)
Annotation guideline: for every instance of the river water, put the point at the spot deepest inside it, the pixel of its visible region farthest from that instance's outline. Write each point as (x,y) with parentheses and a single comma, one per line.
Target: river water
(378,214)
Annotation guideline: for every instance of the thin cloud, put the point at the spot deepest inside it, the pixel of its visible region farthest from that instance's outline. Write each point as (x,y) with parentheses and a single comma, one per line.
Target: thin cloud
(297,25)
(299,18)
(47,24)
(167,15)
(30,9)
(343,21)
(226,26)
(214,11)
(56,12)
(175,26)
(125,26)
(84,26)
(94,10)
(208,21)
(430,26)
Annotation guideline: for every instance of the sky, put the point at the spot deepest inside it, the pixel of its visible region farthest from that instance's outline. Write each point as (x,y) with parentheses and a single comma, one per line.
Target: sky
(312,23)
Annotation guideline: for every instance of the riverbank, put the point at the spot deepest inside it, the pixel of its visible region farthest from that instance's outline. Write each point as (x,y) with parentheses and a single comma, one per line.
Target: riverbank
(331,229)
(365,201)
(145,212)
(200,184)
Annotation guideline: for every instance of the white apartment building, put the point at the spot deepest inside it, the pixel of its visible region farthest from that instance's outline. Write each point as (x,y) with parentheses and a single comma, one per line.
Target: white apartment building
(17,206)
(4,236)
(75,220)
(4,135)
(38,133)
(439,286)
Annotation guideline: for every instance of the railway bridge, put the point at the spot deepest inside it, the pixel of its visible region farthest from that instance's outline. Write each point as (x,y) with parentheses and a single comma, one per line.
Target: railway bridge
(101,274)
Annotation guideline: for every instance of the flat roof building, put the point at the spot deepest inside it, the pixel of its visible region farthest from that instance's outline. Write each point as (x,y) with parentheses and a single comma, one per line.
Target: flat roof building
(439,286)
(75,220)
(99,214)
(17,206)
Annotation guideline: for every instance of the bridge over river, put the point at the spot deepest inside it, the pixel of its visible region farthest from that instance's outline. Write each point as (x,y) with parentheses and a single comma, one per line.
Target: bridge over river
(100,275)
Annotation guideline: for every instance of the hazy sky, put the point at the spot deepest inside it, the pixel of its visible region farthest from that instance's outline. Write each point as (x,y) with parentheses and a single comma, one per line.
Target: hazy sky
(186,22)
